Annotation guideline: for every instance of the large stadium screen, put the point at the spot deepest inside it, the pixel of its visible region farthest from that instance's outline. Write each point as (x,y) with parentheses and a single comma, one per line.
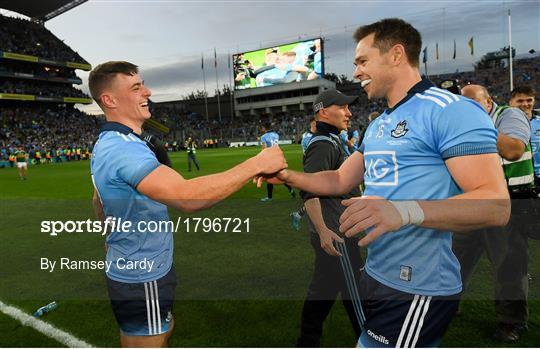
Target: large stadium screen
(301,60)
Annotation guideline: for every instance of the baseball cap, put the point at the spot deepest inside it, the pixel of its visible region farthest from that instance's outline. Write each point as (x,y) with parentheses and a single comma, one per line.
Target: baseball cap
(331,97)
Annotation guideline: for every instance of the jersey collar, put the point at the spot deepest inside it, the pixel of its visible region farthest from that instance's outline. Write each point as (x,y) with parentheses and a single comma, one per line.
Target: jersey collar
(115,126)
(420,87)
(324,128)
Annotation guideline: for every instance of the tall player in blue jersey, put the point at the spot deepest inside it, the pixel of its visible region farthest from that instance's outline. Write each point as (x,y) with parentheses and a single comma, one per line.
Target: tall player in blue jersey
(131,185)
(430,168)
(269,139)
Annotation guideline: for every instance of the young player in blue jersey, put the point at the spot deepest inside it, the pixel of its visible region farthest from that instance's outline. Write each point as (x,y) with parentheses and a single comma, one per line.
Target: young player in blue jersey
(306,137)
(268,139)
(353,138)
(430,168)
(131,185)
(344,138)
(296,216)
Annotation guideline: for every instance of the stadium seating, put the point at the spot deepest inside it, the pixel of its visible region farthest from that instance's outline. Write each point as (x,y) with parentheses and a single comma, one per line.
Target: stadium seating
(27,37)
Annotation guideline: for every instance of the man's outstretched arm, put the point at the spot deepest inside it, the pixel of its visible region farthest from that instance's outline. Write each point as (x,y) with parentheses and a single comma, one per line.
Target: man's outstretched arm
(326,183)
(169,187)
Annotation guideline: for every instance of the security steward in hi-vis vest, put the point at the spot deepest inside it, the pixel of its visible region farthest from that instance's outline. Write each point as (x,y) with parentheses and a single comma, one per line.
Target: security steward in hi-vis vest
(519,174)
(191,148)
(507,247)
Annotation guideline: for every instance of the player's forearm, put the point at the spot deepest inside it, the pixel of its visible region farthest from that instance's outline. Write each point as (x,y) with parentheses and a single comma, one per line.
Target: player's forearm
(314,211)
(324,183)
(203,192)
(470,211)
(510,148)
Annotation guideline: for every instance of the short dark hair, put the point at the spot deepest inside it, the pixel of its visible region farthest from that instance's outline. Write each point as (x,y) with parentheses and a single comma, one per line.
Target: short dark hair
(523,89)
(102,75)
(267,125)
(391,31)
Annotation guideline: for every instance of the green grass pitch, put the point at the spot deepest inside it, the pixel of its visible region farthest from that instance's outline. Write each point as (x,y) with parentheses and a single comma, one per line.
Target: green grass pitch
(235,289)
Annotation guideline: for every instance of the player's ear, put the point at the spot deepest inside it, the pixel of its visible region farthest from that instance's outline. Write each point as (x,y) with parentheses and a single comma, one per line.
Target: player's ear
(397,54)
(108,100)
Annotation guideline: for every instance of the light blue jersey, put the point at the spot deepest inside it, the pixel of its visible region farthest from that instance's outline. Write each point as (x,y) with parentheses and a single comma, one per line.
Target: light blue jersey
(535,143)
(404,152)
(270,138)
(344,137)
(120,160)
(356,136)
(306,137)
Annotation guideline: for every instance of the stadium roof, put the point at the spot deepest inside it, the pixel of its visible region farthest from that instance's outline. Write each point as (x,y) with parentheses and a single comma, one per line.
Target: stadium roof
(42,10)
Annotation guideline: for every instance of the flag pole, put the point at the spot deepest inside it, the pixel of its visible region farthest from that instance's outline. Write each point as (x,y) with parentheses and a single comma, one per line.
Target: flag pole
(204,84)
(510,50)
(231,82)
(217,84)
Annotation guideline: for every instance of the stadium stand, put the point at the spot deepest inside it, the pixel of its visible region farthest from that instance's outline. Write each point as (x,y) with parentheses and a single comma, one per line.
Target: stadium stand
(50,122)
(291,125)
(26,37)
(37,96)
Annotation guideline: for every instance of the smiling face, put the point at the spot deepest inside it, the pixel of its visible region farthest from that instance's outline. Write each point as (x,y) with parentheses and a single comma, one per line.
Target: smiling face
(524,102)
(128,97)
(373,69)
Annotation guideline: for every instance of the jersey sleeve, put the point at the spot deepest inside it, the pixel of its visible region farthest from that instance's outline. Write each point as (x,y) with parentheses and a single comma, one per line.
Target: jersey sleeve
(464,128)
(135,162)
(514,123)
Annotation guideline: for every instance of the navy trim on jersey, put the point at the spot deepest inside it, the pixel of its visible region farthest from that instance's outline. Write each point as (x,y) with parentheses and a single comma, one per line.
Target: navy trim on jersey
(116,126)
(468,149)
(420,87)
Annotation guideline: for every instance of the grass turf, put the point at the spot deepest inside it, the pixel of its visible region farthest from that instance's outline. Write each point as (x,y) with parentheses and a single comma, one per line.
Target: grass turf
(235,289)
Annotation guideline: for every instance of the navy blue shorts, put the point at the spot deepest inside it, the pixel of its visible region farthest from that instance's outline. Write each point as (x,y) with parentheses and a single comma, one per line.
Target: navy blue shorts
(143,309)
(403,320)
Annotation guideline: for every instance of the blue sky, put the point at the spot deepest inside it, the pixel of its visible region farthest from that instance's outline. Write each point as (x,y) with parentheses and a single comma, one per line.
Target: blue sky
(166,38)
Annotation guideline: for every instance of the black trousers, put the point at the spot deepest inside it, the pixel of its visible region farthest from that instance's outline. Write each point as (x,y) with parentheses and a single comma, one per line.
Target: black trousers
(329,281)
(192,158)
(270,189)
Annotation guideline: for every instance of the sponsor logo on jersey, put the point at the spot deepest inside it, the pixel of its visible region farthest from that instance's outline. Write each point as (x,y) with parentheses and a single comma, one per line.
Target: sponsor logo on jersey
(400,130)
(381,168)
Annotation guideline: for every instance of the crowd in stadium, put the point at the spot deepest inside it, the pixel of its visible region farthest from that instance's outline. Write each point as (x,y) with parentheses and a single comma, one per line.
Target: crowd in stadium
(26,37)
(38,128)
(40,88)
(39,71)
(42,130)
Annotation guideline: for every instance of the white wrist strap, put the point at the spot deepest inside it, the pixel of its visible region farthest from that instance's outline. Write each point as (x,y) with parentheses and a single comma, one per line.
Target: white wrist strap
(410,211)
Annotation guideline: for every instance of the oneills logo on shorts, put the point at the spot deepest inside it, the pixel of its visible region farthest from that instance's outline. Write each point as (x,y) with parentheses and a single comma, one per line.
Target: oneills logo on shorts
(378,337)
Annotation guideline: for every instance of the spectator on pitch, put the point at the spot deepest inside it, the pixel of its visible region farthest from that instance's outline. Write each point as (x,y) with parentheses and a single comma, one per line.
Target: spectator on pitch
(427,162)
(507,247)
(130,184)
(337,259)
(191,149)
(269,139)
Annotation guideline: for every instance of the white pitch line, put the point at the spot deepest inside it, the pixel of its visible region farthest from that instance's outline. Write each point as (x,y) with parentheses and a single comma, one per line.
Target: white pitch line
(43,327)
